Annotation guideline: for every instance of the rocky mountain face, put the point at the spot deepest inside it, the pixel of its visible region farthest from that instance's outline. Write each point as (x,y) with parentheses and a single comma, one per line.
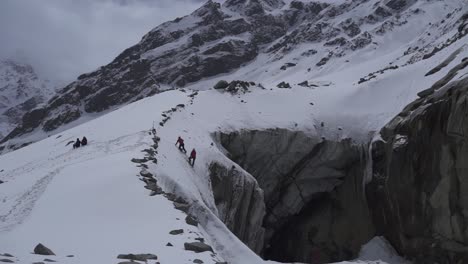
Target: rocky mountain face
(217,39)
(243,210)
(21,90)
(418,194)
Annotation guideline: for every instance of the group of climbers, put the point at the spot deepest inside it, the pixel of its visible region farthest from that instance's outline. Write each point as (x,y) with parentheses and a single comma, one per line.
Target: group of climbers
(193,154)
(78,143)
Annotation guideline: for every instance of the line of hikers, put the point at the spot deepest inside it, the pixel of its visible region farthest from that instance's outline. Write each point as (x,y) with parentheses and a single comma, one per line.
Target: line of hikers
(79,143)
(193,154)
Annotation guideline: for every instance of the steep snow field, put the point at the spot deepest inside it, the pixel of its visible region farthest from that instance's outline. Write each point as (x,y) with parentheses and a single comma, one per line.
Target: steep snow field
(88,202)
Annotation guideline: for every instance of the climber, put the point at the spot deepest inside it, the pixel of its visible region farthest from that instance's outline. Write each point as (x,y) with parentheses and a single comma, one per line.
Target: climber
(77,143)
(193,156)
(181,143)
(84,141)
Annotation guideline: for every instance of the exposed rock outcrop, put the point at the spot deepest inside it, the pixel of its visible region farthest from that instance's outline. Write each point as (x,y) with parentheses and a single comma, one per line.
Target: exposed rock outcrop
(240,204)
(313,192)
(419,194)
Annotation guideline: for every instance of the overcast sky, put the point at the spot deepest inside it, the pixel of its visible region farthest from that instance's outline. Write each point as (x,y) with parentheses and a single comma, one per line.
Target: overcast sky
(64,38)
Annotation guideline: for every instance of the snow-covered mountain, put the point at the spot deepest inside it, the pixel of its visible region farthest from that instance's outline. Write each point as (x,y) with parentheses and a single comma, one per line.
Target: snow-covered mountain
(21,90)
(326,131)
(255,41)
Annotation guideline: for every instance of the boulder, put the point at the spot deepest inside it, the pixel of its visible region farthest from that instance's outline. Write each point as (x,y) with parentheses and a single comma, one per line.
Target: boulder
(221,85)
(190,220)
(198,261)
(7,260)
(283,85)
(40,249)
(176,232)
(197,247)
(139,160)
(138,257)
(182,207)
(146,173)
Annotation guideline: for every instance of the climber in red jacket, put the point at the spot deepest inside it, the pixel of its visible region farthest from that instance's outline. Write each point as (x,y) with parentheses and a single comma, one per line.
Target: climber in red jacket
(181,143)
(193,156)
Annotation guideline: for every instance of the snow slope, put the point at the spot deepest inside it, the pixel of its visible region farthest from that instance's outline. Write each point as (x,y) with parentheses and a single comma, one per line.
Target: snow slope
(89,203)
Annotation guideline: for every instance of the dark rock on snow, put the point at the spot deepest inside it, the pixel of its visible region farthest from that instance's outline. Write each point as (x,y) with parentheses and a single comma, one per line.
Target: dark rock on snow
(283,85)
(42,250)
(138,257)
(176,232)
(197,247)
(190,220)
(221,85)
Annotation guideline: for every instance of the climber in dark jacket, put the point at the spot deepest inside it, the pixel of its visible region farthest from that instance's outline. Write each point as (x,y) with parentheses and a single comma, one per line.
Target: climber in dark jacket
(181,143)
(84,141)
(77,143)
(193,156)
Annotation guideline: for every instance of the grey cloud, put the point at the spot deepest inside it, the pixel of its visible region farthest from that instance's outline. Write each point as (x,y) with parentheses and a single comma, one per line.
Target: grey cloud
(64,38)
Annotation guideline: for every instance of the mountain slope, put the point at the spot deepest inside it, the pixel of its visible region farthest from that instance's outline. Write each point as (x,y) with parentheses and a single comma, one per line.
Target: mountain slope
(21,90)
(72,194)
(262,41)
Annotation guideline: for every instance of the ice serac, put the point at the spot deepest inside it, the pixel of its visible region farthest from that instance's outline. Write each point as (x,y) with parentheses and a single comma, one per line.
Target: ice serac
(313,192)
(419,191)
(240,203)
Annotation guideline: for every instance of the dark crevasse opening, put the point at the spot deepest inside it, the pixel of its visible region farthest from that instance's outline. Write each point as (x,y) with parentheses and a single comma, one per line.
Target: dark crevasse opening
(315,207)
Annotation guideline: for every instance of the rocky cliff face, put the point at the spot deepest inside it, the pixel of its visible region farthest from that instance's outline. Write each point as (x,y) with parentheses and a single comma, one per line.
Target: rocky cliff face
(217,39)
(240,204)
(418,194)
(313,189)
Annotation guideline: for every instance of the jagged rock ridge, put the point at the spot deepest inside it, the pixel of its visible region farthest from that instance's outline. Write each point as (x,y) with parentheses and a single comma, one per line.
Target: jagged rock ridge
(217,39)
